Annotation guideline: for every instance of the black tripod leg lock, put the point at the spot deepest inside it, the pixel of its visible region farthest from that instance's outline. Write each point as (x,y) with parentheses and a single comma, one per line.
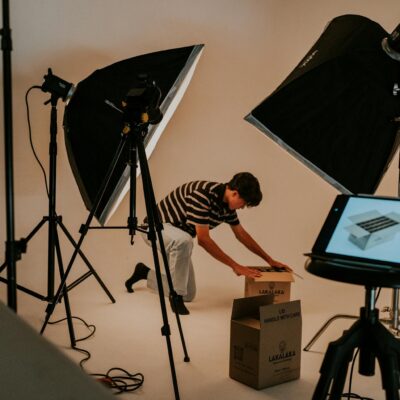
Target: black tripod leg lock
(17,248)
(165,330)
(83,229)
(22,245)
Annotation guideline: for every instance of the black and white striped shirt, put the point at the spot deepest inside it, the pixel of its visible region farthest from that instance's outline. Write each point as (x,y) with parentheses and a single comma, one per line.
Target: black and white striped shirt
(197,203)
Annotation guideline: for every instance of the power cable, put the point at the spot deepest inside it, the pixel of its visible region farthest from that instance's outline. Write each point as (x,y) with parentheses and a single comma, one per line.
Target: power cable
(30,136)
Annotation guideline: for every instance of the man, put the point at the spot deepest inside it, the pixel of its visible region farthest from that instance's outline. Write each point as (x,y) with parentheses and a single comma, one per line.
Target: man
(192,210)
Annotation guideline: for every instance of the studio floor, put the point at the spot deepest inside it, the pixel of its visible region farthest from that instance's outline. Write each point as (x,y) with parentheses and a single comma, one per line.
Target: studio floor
(128,336)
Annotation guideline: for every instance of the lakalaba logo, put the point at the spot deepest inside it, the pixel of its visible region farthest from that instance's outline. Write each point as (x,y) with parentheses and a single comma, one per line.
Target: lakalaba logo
(283,353)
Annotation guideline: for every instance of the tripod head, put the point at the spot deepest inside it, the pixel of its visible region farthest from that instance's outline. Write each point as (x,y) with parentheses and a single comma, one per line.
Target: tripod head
(141,105)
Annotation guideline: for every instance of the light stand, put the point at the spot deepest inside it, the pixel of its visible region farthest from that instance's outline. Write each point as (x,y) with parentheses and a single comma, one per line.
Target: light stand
(11,245)
(133,135)
(58,89)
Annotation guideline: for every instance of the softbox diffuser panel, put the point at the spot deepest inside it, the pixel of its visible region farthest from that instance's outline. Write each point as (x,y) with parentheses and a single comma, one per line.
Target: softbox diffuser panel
(335,112)
(93,121)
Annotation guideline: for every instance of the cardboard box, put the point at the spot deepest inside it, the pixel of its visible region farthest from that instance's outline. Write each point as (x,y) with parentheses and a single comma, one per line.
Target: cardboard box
(372,228)
(265,346)
(274,280)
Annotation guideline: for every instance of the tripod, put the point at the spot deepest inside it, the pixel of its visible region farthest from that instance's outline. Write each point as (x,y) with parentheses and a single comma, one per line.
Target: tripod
(374,342)
(54,221)
(134,139)
(367,334)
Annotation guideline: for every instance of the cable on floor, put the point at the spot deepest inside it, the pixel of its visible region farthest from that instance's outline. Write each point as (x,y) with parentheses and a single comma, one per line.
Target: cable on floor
(117,383)
(120,383)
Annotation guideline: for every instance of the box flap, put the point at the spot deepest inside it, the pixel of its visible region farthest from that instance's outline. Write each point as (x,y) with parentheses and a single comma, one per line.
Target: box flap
(249,306)
(272,274)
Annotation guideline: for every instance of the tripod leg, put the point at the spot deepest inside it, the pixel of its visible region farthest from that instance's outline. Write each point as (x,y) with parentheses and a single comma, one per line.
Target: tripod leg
(51,306)
(388,354)
(158,226)
(65,293)
(3,267)
(390,376)
(339,381)
(99,196)
(84,258)
(333,373)
(165,330)
(173,294)
(22,249)
(152,214)
(335,364)
(26,240)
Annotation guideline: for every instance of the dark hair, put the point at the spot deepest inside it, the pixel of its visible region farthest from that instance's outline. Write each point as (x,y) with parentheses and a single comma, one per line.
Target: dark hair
(248,188)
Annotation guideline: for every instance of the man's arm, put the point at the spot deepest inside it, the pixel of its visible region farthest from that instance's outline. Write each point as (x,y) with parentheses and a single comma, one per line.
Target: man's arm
(204,239)
(245,238)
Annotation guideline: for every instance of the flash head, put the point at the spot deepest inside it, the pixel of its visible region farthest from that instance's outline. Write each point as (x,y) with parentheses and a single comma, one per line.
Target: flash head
(57,86)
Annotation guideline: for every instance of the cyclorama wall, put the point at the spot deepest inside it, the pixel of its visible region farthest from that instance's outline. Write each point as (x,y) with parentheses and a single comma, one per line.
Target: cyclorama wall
(250,47)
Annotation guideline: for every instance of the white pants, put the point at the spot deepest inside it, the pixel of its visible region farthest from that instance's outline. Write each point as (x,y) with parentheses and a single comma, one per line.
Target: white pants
(178,246)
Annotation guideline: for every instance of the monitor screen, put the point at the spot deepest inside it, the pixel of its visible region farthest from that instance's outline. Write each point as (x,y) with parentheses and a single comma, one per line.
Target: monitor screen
(365,228)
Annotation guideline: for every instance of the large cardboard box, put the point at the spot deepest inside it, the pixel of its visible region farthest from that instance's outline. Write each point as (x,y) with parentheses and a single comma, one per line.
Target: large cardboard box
(273,280)
(265,346)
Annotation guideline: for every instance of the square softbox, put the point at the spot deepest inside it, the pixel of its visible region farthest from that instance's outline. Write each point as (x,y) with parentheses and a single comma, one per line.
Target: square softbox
(336,111)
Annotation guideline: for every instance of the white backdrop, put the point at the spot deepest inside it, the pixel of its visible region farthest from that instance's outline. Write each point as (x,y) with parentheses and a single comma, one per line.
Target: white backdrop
(250,47)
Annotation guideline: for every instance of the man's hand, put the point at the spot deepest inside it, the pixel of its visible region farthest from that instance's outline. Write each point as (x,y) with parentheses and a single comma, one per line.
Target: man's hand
(246,271)
(245,238)
(274,263)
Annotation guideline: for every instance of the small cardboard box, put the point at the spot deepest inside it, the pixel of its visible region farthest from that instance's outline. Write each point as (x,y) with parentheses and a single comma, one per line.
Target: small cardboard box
(274,280)
(265,346)
(372,228)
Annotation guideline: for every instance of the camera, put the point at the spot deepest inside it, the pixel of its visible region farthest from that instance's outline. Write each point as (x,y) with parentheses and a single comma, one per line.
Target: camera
(141,105)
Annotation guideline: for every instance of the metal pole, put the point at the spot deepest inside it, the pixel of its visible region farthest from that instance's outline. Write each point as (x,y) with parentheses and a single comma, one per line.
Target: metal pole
(395,310)
(11,246)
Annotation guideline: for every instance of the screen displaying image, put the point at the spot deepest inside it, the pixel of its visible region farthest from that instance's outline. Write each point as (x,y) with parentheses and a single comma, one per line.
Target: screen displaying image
(368,228)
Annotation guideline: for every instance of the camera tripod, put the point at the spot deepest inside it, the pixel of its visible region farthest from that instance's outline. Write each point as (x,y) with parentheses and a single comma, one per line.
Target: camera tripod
(54,221)
(133,137)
